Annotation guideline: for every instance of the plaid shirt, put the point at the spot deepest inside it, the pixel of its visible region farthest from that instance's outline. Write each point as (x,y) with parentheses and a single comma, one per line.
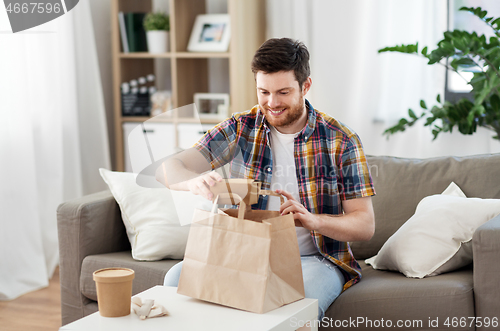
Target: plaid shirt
(329,161)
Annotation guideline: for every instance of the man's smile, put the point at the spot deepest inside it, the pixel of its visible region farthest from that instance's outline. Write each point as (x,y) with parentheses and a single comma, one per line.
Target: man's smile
(277,111)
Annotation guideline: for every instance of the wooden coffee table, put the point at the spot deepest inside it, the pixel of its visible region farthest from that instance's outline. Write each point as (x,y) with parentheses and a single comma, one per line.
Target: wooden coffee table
(191,314)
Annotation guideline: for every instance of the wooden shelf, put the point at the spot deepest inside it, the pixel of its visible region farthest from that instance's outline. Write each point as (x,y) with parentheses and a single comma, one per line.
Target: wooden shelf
(188,71)
(126,119)
(181,55)
(144,55)
(201,55)
(195,120)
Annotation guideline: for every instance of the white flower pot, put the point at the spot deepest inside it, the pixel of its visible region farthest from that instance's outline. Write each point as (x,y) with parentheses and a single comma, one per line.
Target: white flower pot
(157,41)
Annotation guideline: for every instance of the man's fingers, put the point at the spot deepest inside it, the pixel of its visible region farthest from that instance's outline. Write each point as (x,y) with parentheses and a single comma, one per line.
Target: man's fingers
(292,207)
(204,190)
(296,214)
(211,178)
(208,180)
(201,186)
(215,176)
(285,205)
(286,194)
(290,204)
(288,209)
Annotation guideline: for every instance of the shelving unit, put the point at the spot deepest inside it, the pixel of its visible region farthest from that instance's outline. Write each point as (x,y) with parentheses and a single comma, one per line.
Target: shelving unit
(189,71)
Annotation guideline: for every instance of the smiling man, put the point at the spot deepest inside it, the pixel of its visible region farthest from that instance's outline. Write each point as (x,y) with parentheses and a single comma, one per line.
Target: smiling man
(315,161)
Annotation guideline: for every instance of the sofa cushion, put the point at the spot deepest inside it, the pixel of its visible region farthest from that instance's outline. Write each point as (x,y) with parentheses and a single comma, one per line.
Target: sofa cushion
(438,237)
(401,183)
(156,219)
(392,296)
(147,274)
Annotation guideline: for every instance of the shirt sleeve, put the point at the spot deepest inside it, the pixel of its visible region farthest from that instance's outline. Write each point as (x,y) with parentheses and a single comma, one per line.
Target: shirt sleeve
(354,172)
(218,145)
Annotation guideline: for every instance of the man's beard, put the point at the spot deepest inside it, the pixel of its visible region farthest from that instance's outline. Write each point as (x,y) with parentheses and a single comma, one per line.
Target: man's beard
(291,115)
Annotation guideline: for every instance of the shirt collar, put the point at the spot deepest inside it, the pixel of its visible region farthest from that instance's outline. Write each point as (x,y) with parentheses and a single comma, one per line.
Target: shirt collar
(306,131)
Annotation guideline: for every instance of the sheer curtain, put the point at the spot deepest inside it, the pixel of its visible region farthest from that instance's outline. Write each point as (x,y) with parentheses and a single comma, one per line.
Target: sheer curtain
(53,139)
(366,90)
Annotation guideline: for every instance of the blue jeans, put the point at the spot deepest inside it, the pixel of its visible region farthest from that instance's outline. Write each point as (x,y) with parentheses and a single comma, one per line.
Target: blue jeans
(322,280)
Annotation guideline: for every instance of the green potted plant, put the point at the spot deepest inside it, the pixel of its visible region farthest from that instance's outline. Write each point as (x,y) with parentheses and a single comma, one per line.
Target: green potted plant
(464,51)
(157,26)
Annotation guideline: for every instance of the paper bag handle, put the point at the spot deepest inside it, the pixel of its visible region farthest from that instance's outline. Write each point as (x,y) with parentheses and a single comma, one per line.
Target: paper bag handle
(242,208)
(269,192)
(242,205)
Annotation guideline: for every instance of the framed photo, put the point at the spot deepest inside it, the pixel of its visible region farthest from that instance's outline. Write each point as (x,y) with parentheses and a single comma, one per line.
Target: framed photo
(211,33)
(212,105)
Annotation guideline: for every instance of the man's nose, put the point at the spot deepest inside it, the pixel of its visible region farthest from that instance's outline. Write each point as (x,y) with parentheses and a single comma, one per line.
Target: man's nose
(273,101)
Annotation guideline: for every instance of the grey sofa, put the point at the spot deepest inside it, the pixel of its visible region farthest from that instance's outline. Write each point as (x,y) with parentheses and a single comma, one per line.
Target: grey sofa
(92,236)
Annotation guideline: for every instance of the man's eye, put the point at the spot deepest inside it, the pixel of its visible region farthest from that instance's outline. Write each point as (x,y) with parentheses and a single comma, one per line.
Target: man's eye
(284,93)
(264,92)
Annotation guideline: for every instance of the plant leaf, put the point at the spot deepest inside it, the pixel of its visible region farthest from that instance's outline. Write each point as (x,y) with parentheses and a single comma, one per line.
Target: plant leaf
(412,114)
(422,104)
(495,103)
(478,77)
(496,21)
(470,117)
(464,62)
(464,50)
(459,43)
(409,49)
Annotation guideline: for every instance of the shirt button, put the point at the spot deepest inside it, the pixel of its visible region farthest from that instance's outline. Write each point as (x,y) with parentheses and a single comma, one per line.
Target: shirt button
(268,169)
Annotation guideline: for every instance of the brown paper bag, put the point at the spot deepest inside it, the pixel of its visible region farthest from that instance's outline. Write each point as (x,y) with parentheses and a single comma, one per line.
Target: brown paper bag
(248,189)
(251,263)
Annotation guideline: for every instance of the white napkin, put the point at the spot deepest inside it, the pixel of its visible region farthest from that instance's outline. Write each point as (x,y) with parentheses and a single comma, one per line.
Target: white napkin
(147,308)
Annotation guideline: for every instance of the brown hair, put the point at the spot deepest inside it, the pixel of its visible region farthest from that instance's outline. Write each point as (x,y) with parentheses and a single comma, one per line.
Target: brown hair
(283,54)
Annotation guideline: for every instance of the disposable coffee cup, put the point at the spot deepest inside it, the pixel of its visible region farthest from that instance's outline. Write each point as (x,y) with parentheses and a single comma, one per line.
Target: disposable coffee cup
(114,291)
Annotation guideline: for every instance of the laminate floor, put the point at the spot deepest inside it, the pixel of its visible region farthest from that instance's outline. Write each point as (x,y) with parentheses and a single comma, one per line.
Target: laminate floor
(38,311)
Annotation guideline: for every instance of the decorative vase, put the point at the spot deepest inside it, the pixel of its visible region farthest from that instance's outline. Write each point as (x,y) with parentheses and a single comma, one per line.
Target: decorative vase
(157,41)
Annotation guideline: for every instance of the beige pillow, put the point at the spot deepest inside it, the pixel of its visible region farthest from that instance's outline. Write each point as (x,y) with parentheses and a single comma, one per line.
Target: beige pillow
(437,238)
(153,217)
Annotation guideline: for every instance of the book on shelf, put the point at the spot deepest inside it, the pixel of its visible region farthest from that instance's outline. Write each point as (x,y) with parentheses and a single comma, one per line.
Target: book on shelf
(123,32)
(135,32)
(132,32)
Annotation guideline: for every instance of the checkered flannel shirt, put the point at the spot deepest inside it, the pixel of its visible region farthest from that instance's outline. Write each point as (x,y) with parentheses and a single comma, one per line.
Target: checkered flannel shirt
(329,161)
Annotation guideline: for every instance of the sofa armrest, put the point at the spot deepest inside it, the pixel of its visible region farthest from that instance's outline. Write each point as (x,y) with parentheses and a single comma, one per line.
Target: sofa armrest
(86,226)
(486,250)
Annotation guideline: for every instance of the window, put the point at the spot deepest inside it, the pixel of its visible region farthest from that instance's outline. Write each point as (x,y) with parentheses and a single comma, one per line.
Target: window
(456,87)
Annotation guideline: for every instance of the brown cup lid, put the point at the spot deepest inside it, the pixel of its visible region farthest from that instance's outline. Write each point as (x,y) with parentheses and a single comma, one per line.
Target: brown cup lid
(113,275)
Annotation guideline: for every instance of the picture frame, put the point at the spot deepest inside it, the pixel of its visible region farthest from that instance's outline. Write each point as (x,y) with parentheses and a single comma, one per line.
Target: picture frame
(211,33)
(212,105)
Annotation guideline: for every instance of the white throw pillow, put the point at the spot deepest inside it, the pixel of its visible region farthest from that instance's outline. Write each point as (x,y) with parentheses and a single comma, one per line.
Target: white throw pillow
(153,217)
(438,237)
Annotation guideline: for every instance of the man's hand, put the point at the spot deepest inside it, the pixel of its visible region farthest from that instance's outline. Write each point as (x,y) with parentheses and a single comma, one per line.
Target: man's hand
(188,171)
(356,224)
(301,215)
(201,185)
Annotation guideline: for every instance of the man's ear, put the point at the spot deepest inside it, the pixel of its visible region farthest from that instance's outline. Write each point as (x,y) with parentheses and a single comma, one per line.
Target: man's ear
(306,86)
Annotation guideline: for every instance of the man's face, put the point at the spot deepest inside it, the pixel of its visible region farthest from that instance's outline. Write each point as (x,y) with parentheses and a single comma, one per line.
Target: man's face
(281,100)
